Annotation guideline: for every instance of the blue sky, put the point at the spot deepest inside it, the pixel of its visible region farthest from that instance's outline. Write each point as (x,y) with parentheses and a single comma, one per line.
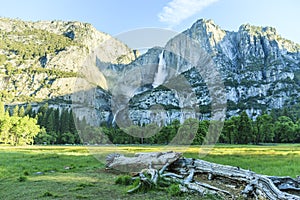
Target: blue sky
(117,16)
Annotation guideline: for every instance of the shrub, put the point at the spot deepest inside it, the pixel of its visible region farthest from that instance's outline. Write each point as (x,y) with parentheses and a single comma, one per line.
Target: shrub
(26,173)
(124,180)
(47,194)
(22,179)
(174,190)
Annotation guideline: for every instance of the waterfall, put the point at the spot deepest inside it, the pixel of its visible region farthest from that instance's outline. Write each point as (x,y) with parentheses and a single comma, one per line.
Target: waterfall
(115,116)
(161,73)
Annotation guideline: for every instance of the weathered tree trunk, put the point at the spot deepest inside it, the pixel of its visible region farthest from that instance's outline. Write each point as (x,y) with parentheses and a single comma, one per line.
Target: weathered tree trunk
(141,161)
(205,177)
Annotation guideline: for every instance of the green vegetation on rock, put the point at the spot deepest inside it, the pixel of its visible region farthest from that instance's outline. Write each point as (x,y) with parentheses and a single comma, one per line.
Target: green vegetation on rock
(33,43)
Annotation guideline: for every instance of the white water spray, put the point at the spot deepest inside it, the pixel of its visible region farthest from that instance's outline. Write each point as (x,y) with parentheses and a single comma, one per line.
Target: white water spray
(115,116)
(161,73)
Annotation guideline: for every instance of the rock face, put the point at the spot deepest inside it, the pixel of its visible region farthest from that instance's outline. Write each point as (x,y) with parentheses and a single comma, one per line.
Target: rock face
(260,71)
(259,68)
(62,71)
(101,78)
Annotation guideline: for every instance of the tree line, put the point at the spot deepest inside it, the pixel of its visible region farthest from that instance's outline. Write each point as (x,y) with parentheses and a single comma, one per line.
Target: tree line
(58,125)
(47,125)
(16,128)
(236,130)
(20,126)
(265,129)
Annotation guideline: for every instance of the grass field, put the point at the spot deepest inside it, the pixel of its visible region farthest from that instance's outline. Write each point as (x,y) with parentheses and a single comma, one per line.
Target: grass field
(71,172)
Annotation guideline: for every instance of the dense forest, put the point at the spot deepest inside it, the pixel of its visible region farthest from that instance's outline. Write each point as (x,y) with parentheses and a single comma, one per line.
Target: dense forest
(23,125)
(267,128)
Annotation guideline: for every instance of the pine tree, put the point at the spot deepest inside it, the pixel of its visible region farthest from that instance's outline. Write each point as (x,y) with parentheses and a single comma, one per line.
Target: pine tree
(72,126)
(42,112)
(2,109)
(201,132)
(28,111)
(230,132)
(245,134)
(50,126)
(264,129)
(15,111)
(65,122)
(21,112)
(56,121)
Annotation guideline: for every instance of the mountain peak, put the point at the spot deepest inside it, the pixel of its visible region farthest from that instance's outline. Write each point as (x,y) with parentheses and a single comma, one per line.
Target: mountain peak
(204,21)
(206,24)
(270,33)
(254,30)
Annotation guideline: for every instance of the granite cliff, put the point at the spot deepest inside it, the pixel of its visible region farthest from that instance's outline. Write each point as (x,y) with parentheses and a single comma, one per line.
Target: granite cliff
(102,78)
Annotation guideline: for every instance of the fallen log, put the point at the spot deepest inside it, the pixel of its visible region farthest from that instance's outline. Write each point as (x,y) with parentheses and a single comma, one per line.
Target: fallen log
(204,177)
(155,160)
(286,183)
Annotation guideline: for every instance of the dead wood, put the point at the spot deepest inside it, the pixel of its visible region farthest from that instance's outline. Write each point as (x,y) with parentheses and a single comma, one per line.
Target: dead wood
(195,175)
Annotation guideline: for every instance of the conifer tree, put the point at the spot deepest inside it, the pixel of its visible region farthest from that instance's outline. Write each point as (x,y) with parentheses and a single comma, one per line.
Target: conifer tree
(15,111)
(65,122)
(28,111)
(56,120)
(21,112)
(244,129)
(50,127)
(72,126)
(2,109)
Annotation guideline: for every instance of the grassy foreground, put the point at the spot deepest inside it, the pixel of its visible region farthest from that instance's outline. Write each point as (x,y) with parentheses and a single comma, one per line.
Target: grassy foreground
(74,172)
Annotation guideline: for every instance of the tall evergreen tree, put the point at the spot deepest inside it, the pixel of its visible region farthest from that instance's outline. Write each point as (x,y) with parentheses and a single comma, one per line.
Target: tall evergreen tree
(50,126)
(230,132)
(28,111)
(72,126)
(2,109)
(245,134)
(264,129)
(21,112)
(201,132)
(65,121)
(15,111)
(57,120)
(42,111)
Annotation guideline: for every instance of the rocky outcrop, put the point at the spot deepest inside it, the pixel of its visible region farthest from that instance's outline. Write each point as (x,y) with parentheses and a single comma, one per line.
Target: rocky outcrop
(99,77)
(62,72)
(260,71)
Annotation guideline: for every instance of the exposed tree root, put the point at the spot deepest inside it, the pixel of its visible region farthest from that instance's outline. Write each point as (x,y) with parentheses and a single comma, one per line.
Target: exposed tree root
(206,177)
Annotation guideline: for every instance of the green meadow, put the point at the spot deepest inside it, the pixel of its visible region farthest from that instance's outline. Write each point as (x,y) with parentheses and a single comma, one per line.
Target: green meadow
(78,172)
